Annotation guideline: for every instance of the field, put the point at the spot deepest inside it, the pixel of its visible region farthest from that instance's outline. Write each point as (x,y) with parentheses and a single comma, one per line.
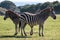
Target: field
(51,30)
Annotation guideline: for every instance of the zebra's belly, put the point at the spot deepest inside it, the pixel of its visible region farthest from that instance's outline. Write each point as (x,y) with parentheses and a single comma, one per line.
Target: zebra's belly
(32,23)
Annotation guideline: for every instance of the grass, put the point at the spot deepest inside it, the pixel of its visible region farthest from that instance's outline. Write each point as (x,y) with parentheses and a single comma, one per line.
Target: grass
(51,30)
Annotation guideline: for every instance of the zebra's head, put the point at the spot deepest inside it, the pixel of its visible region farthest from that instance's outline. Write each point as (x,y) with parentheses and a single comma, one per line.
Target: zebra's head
(6,15)
(52,12)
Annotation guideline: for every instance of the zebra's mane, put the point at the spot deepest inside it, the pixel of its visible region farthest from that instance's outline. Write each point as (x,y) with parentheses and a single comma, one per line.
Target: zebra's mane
(44,10)
(12,13)
(29,13)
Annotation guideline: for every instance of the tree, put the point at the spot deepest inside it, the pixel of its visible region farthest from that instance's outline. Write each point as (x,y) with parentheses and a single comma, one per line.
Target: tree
(9,5)
(44,5)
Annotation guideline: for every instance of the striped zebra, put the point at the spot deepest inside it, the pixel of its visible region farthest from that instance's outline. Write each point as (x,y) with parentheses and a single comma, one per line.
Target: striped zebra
(36,19)
(13,16)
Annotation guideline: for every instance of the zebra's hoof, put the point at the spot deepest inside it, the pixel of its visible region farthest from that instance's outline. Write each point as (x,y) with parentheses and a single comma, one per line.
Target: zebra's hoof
(21,34)
(15,34)
(42,35)
(31,33)
(25,35)
(39,34)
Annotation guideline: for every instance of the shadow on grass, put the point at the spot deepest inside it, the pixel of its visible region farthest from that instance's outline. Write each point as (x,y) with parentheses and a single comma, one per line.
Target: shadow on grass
(11,36)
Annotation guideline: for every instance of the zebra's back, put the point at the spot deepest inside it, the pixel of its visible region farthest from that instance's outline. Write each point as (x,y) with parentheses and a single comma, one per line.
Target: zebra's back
(31,19)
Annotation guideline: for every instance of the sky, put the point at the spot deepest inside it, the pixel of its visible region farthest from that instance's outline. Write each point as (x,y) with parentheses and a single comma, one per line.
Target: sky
(22,2)
(32,0)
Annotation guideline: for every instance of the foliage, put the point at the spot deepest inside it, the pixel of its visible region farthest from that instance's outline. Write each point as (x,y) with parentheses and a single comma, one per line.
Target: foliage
(33,8)
(30,8)
(9,5)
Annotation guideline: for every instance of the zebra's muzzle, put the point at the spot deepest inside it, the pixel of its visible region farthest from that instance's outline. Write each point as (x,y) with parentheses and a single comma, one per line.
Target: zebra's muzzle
(4,18)
(55,17)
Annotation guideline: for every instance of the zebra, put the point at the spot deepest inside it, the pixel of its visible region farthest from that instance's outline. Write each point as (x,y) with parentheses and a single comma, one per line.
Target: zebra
(14,17)
(36,19)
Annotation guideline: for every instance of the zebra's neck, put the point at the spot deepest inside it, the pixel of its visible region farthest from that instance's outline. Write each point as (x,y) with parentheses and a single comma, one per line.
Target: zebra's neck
(43,16)
(13,17)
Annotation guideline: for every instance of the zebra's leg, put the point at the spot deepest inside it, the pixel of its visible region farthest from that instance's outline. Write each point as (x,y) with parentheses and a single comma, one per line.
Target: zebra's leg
(21,30)
(19,25)
(39,30)
(31,32)
(42,30)
(22,26)
(16,29)
(24,29)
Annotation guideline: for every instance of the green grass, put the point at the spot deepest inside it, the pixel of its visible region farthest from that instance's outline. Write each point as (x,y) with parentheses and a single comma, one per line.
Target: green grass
(51,30)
